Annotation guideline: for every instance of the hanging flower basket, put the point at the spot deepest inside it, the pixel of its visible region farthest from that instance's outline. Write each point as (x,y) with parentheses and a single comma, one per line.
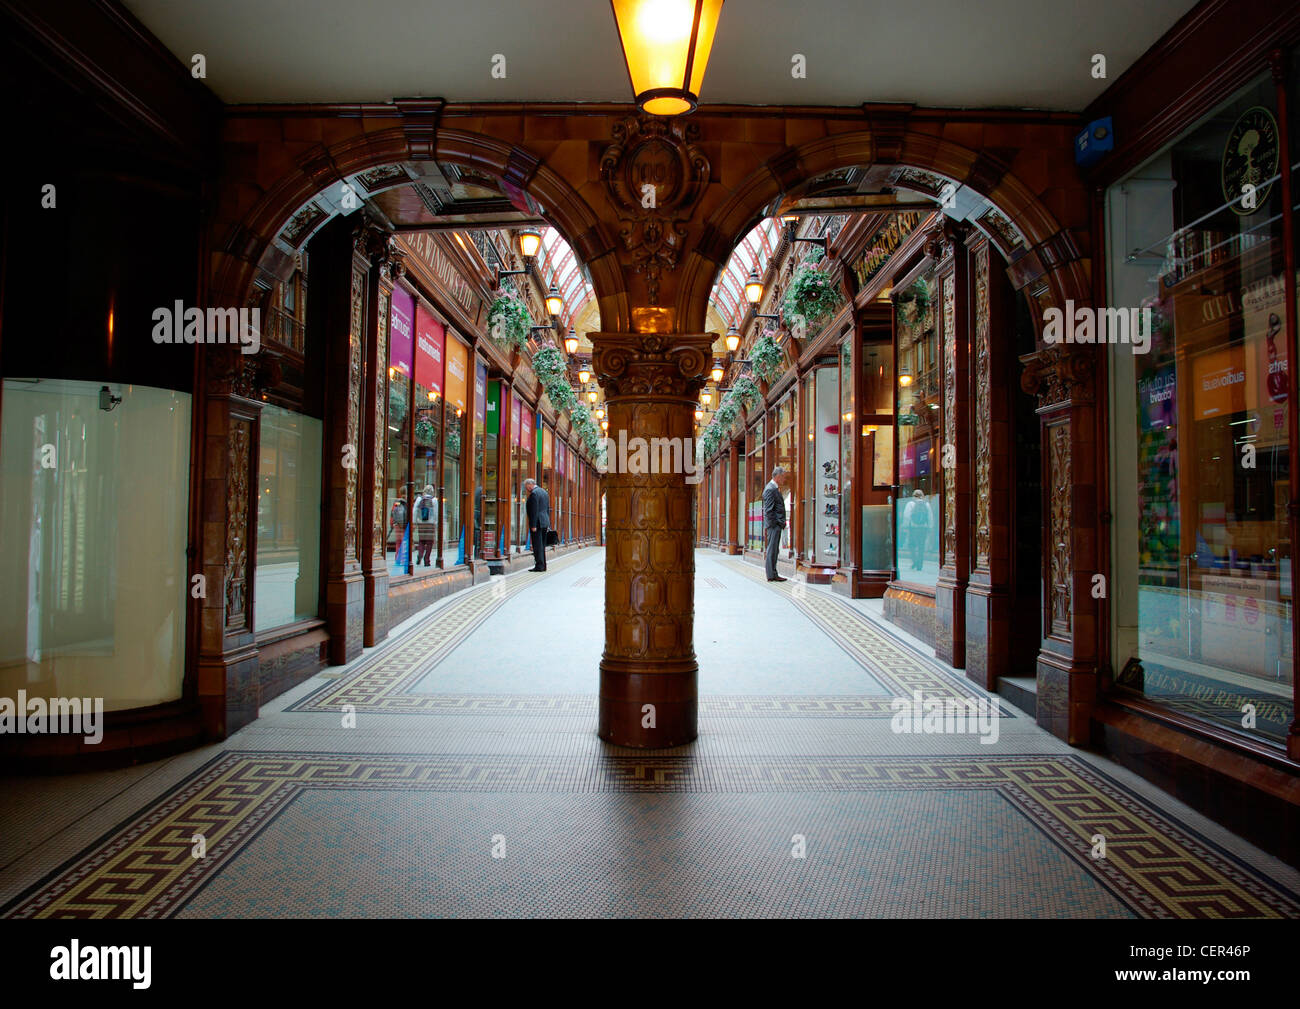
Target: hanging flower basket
(810,296)
(766,359)
(509,322)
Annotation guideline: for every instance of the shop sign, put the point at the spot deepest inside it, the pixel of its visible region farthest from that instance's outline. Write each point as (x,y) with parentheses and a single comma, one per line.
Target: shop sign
(1249,161)
(884,244)
(480,392)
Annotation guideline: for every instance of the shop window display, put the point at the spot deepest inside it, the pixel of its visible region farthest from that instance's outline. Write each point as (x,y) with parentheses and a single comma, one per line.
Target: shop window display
(825,468)
(1203,593)
(835,512)
(93,585)
(917,510)
(287,570)
(877,439)
(757,479)
(397,470)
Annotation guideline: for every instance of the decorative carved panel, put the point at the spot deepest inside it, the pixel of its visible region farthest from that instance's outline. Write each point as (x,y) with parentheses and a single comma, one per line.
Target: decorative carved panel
(649,151)
(1060,374)
(983,422)
(356,333)
(1060,524)
(949,419)
(238,464)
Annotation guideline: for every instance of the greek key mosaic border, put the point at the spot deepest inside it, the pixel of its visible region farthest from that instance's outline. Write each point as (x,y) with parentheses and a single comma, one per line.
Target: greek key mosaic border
(1158,867)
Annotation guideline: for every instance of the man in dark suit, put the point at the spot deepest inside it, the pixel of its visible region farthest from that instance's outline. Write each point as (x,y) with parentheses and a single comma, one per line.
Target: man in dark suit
(774,518)
(538,504)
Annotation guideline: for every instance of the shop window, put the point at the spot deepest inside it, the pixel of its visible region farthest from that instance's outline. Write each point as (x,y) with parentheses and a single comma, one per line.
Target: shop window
(1203,592)
(757,480)
(877,440)
(781,450)
(287,579)
(398,467)
(917,510)
(823,527)
(452,443)
(493,543)
(93,579)
(839,512)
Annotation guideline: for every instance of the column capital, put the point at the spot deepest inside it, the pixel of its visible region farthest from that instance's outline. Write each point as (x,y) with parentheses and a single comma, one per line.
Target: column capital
(651,365)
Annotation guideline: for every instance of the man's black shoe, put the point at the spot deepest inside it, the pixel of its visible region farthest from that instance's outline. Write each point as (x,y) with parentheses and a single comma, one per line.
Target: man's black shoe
(778,578)
(536,569)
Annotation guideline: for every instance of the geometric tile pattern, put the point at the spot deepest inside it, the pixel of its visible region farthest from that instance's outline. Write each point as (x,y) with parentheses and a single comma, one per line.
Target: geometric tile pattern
(1155,866)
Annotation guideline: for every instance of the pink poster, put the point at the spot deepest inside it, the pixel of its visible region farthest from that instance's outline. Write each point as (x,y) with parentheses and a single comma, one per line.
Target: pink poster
(401,328)
(429,341)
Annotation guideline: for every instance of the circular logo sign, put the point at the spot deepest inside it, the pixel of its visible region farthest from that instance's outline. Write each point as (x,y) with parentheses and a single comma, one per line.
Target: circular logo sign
(1250,160)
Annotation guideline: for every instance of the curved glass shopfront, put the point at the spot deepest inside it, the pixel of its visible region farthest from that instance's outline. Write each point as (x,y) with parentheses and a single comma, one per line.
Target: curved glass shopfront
(1203,563)
(93,532)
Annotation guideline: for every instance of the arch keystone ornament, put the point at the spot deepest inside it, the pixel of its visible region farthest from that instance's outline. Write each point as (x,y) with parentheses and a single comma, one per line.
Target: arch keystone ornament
(653,174)
(651,384)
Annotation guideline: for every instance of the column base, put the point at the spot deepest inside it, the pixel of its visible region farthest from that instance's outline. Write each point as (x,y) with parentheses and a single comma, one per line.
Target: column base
(625,693)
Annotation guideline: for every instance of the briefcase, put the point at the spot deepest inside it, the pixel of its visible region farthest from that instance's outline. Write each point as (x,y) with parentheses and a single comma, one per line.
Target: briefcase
(552,537)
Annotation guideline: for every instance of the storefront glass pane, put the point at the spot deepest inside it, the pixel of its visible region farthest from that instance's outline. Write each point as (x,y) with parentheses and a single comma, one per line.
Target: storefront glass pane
(848,438)
(93,585)
(397,479)
(757,480)
(453,543)
(1203,561)
(826,469)
(287,571)
(917,510)
(428,422)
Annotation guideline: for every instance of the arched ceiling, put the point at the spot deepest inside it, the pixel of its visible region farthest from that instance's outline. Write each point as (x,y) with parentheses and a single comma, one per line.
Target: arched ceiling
(754,252)
(991,54)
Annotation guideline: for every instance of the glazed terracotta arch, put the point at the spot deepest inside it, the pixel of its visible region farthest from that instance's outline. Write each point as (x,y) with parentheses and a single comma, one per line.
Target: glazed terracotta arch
(241,248)
(1052,247)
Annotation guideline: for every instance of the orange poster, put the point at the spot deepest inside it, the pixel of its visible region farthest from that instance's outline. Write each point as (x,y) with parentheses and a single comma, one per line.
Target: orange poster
(1220,383)
(457,370)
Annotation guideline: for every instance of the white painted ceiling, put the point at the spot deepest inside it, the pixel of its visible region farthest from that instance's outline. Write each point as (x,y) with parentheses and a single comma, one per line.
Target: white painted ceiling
(946,53)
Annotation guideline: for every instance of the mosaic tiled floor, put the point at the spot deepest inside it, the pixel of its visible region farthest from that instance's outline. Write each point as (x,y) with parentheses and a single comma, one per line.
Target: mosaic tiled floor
(402,814)
(1153,867)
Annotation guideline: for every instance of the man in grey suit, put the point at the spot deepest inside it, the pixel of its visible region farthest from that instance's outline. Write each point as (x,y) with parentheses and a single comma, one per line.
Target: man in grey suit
(774,518)
(539,521)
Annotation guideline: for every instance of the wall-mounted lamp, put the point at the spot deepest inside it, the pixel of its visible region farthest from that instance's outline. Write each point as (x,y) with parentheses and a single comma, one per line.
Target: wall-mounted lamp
(571,342)
(753,287)
(554,303)
(716,373)
(733,339)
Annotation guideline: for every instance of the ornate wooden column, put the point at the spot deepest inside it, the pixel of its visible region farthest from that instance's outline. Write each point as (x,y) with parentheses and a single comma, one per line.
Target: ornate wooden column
(1063,378)
(946,248)
(988,599)
(648,671)
(228,685)
(343,267)
(385,268)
